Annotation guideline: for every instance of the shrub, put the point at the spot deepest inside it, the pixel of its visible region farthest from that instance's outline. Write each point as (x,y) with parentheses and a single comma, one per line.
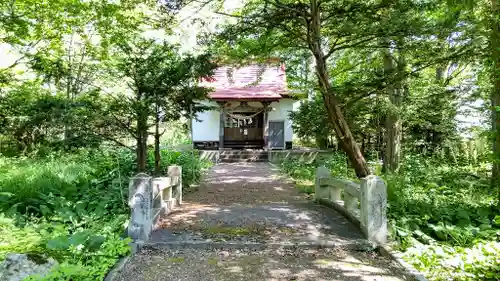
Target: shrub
(73,207)
(438,213)
(443,262)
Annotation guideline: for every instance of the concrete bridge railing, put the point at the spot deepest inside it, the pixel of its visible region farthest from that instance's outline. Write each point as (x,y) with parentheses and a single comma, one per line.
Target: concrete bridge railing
(364,203)
(149,198)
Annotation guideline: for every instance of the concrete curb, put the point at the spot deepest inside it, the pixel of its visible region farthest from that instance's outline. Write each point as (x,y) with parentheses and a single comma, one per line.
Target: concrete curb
(117,268)
(386,251)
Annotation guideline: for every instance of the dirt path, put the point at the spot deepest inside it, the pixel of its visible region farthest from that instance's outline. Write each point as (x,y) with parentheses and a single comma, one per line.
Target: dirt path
(246,222)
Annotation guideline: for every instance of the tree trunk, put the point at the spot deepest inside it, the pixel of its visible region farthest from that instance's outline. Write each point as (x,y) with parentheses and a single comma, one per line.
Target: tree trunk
(190,122)
(142,140)
(342,131)
(321,142)
(157,143)
(363,144)
(495,94)
(68,134)
(393,120)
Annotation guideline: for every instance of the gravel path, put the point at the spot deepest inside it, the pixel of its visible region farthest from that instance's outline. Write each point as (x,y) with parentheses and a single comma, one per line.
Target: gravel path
(246,222)
(263,265)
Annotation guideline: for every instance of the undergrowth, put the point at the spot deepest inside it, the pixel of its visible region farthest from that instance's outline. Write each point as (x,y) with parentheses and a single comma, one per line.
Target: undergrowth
(73,207)
(443,216)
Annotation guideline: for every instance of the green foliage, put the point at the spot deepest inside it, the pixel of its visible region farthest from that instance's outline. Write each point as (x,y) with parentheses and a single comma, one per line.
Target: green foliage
(311,120)
(55,106)
(33,119)
(431,107)
(176,134)
(451,204)
(479,262)
(439,214)
(190,162)
(164,86)
(311,123)
(300,169)
(73,207)
(39,186)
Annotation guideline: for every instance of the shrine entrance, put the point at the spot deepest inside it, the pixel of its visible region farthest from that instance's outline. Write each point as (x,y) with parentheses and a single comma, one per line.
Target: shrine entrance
(244,126)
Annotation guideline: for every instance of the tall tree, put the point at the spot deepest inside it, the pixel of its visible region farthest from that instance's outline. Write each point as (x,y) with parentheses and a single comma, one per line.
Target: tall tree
(495,80)
(323,28)
(315,39)
(177,92)
(68,45)
(395,66)
(164,88)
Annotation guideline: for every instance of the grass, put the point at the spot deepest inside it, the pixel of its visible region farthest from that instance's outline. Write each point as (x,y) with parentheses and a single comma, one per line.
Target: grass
(305,186)
(230,231)
(176,260)
(233,231)
(73,207)
(438,213)
(212,261)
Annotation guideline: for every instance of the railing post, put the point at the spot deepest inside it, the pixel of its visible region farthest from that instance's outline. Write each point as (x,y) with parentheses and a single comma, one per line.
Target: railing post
(374,209)
(162,193)
(350,202)
(164,185)
(140,196)
(335,193)
(321,191)
(175,173)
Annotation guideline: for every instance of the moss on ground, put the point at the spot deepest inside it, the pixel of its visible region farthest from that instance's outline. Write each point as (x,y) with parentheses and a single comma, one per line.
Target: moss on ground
(304,186)
(213,261)
(233,231)
(176,259)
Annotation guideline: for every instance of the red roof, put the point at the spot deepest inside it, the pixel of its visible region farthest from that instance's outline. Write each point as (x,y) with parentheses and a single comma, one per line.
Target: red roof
(252,82)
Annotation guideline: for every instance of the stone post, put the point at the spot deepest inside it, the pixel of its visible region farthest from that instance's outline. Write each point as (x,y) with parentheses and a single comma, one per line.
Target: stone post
(350,202)
(175,173)
(374,209)
(163,184)
(140,197)
(161,187)
(322,191)
(335,193)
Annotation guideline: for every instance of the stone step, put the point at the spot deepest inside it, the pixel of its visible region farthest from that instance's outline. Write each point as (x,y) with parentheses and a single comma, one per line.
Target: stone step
(237,152)
(244,146)
(244,142)
(245,152)
(236,160)
(230,160)
(245,155)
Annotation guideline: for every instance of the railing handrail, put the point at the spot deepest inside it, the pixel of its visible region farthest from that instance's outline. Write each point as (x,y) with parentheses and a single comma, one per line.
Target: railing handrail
(365,203)
(351,187)
(149,198)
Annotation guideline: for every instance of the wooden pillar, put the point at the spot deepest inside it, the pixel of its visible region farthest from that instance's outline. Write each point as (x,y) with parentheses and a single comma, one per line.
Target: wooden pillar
(221,128)
(266,124)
